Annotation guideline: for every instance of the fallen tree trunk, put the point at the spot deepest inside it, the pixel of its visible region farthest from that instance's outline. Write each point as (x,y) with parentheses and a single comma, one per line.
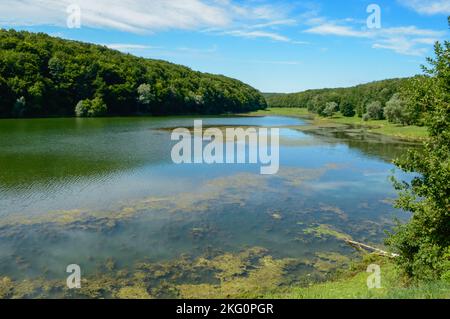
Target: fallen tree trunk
(364,247)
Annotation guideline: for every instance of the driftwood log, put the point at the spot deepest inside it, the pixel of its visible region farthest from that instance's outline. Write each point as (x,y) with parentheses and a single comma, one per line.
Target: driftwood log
(364,247)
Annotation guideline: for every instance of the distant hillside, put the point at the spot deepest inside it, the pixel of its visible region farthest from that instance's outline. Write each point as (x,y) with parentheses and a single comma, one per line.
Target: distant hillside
(353,99)
(46,76)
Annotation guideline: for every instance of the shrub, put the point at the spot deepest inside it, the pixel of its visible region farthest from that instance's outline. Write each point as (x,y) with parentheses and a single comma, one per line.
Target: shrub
(20,108)
(366,117)
(395,110)
(98,108)
(91,108)
(82,107)
(146,96)
(330,109)
(375,110)
(347,109)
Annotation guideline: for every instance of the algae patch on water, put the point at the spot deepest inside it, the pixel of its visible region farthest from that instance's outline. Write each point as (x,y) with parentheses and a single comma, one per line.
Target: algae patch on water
(230,190)
(324,231)
(249,273)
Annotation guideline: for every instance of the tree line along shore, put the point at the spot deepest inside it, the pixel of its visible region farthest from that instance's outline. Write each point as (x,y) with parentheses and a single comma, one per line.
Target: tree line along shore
(44,76)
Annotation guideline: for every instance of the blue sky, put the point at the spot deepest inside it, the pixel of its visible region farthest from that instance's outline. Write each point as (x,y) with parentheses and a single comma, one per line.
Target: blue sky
(275,46)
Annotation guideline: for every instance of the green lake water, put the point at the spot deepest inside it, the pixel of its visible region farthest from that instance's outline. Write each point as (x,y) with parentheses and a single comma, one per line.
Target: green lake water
(98,192)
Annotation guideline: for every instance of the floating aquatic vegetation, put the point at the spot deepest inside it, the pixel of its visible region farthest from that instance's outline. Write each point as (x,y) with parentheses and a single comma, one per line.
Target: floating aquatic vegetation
(6,287)
(295,177)
(267,275)
(133,292)
(330,261)
(230,190)
(324,231)
(251,272)
(211,220)
(31,288)
(333,209)
(231,274)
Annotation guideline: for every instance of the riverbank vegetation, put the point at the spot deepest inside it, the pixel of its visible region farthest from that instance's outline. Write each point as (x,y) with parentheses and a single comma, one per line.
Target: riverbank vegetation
(46,76)
(408,132)
(396,107)
(423,243)
(349,101)
(351,283)
(389,100)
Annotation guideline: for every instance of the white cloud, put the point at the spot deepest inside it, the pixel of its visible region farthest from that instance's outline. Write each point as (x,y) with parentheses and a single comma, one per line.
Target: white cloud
(330,28)
(276,62)
(144,16)
(274,23)
(263,19)
(138,16)
(213,49)
(128,47)
(401,46)
(241,19)
(406,40)
(428,7)
(412,31)
(338,30)
(428,41)
(258,34)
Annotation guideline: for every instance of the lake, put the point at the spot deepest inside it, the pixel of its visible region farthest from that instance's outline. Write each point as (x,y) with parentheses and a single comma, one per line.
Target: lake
(104,194)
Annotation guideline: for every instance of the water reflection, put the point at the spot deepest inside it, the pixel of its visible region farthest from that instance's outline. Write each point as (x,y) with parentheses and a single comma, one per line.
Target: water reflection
(88,191)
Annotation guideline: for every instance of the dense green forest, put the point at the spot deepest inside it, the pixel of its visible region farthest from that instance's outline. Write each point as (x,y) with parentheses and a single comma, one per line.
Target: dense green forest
(376,101)
(46,76)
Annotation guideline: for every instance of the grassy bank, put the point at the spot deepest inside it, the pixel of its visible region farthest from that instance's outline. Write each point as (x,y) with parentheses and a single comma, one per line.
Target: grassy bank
(352,284)
(379,126)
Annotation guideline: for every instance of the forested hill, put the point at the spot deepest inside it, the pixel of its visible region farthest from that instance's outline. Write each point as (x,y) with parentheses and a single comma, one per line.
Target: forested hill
(349,101)
(46,76)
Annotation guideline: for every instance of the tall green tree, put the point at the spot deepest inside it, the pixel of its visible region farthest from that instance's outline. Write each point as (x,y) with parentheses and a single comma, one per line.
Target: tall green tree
(396,110)
(347,109)
(424,242)
(375,110)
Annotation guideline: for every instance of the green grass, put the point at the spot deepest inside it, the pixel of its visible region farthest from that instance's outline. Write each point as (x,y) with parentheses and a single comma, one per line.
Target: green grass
(294,112)
(379,127)
(382,127)
(352,284)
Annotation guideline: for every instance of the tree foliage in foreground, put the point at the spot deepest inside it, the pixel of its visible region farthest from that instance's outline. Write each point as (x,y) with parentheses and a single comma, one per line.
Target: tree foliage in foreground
(424,242)
(46,76)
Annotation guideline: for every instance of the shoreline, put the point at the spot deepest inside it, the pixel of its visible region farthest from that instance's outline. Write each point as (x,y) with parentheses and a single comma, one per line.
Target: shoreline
(380,127)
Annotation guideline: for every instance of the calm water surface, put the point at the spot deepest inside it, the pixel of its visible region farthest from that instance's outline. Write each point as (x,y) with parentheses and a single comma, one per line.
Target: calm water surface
(87,190)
